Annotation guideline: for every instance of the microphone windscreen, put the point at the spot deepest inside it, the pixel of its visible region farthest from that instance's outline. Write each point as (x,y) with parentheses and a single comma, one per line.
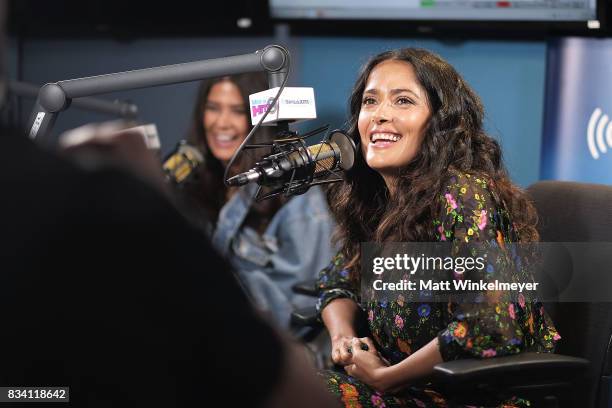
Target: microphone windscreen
(325,156)
(347,149)
(337,153)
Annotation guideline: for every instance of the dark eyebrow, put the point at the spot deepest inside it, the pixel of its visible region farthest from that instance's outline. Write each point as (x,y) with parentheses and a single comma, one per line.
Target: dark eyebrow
(393,92)
(213,103)
(401,90)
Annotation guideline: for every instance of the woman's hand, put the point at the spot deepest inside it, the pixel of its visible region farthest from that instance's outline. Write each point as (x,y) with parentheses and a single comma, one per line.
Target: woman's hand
(368,366)
(341,350)
(339,317)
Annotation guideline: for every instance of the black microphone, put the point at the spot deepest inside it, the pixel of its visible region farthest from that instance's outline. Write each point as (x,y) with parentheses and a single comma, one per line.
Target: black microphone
(293,166)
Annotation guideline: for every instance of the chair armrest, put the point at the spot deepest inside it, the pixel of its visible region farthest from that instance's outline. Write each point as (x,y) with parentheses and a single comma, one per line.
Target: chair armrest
(308,288)
(305,317)
(533,367)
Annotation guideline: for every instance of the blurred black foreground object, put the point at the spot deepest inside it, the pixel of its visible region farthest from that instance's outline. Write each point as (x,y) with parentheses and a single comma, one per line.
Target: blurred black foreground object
(105,289)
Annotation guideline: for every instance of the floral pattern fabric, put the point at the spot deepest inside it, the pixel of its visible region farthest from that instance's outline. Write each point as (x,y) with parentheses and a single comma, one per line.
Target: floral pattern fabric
(471,213)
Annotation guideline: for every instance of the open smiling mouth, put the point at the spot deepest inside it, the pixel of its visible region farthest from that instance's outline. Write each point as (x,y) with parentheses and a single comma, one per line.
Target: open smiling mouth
(385,139)
(225,139)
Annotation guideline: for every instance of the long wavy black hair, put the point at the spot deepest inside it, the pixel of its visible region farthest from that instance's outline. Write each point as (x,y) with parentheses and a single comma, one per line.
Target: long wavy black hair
(454,141)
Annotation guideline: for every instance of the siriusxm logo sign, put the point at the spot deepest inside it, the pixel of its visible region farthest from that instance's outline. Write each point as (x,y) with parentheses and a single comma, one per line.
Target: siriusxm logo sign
(599,133)
(294,104)
(259,106)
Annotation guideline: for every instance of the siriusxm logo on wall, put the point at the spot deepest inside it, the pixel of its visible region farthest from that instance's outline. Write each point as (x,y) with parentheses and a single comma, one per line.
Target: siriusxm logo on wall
(577,142)
(599,133)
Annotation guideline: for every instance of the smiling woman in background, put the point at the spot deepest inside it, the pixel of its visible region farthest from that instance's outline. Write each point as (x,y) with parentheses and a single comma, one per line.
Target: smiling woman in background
(272,244)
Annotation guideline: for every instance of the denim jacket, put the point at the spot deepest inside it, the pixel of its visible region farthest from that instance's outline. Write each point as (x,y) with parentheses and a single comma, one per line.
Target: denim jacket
(295,246)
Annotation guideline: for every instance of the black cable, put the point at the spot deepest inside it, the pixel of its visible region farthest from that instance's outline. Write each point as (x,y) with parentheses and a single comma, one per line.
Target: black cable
(256,127)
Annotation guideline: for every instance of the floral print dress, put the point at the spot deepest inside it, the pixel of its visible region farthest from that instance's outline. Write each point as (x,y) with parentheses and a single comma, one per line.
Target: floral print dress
(471,213)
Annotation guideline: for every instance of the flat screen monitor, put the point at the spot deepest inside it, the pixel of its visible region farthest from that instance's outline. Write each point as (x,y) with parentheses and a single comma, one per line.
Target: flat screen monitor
(452,10)
(516,15)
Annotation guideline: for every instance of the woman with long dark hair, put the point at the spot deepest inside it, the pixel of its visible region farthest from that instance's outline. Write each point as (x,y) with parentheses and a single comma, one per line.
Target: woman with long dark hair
(426,172)
(272,244)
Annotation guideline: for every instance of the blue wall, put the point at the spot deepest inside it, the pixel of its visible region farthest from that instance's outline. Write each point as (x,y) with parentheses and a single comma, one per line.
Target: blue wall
(509,76)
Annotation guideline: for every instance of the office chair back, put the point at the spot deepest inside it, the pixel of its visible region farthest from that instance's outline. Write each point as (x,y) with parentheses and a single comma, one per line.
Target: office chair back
(578,212)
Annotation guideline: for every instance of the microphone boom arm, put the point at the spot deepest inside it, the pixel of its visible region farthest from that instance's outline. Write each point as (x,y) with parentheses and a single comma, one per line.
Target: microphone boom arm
(117,108)
(54,98)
